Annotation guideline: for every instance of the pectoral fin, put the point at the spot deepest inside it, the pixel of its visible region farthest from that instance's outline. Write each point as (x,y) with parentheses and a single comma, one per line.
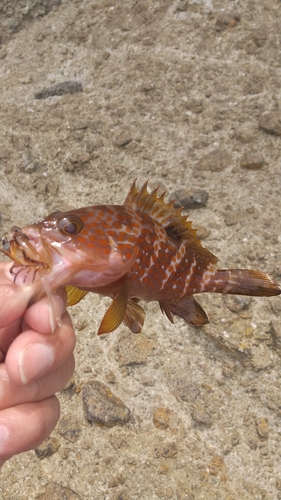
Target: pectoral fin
(116,311)
(74,295)
(188,309)
(134,316)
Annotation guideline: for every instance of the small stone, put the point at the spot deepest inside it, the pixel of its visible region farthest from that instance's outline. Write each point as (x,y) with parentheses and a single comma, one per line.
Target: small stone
(200,415)
(216,465)
(252,441)
(225,21)
(260,36)
(110,377)
(185,389)
(215,161)
(262,427)
(47,448)
(195,106)
(102,407)
(237,303)
(276,333)
(56,491)
(161,418)
(192,198)
(271,122)
(235,438)
(69,428)
(261,357)
(68,87)
(122,139)
(166,450)
(253,161)
(232,217)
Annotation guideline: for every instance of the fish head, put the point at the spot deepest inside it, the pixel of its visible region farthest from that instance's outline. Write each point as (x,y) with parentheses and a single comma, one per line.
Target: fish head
(78,247)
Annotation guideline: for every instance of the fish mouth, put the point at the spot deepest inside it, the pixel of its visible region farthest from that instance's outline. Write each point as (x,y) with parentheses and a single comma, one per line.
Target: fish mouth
(22,250)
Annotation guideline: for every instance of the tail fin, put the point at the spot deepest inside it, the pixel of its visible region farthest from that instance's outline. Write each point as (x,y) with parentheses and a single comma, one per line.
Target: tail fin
(243,282)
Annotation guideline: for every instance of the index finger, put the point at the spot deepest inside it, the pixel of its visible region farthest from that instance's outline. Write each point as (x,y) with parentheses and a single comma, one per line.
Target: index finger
(14,299)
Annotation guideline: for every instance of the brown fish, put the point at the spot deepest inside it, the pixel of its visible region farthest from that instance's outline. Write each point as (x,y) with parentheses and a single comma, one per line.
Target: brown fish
(142,250)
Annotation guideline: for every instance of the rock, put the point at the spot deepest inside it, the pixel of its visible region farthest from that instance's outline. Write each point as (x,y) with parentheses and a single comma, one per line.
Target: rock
(193,198)
(122,139)
(185,389)
(261,357)
(161,418)
(216,465)
(271,122)
(200,415)
(102,407)
(195,106)
(237,303)
(166,450)
(262,427)
(216,161)
(276,333)
(225,21)
(56,491)
(47,448)
(253,161)
(69,428)
(68,87)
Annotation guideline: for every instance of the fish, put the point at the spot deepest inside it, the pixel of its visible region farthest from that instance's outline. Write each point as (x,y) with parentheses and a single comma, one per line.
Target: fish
(144,250)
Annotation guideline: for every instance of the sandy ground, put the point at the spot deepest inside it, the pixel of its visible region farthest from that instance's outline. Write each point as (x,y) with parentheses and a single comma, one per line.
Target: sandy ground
(165,83)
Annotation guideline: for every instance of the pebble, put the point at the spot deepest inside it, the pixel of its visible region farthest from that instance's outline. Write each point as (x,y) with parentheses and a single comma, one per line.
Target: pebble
(191,198)
(161,418)
(68,87)
(237,303)
(69,428)
(195,106)
(261,357)
(216,465)
(166,450)
(56,491)
(102,407)
(185,389)
(276,333)
(225,21)
(262,427)
(122,139)
(271,122)
(251,160)
(47,448)
(215,161)
(200,415)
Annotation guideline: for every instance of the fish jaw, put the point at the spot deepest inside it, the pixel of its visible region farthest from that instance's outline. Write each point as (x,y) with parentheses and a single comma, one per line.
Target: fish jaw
(37,255)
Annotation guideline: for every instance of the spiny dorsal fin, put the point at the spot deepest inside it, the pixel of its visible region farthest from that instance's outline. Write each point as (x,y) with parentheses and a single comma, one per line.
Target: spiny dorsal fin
(170,218)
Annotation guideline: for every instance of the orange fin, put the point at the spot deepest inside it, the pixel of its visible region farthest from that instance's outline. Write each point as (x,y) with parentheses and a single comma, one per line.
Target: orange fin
(243,282)
(116,311)
(170,218)
(188,309)
(134,316)
(74,295)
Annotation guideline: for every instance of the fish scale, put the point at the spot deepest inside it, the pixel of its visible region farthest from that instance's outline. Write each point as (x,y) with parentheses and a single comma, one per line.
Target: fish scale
(144,250)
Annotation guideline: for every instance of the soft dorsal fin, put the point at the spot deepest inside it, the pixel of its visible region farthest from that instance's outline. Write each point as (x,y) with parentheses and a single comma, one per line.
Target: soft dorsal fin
(170,218)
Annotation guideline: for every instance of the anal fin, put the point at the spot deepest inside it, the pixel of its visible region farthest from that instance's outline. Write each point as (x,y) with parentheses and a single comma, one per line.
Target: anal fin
(188,309)
(116,311)
(134,316)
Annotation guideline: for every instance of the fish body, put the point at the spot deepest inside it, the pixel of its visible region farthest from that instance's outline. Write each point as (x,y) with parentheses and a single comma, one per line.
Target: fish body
(142,250)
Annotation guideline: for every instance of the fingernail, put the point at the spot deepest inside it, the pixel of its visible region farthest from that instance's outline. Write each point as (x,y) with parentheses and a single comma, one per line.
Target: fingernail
(34,360)
(4,434)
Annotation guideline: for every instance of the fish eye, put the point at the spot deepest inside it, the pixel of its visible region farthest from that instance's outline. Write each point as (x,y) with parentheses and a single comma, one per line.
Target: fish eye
(71,225)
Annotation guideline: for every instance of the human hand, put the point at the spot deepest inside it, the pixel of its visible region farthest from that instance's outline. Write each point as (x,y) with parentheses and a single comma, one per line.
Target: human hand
(34,364)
